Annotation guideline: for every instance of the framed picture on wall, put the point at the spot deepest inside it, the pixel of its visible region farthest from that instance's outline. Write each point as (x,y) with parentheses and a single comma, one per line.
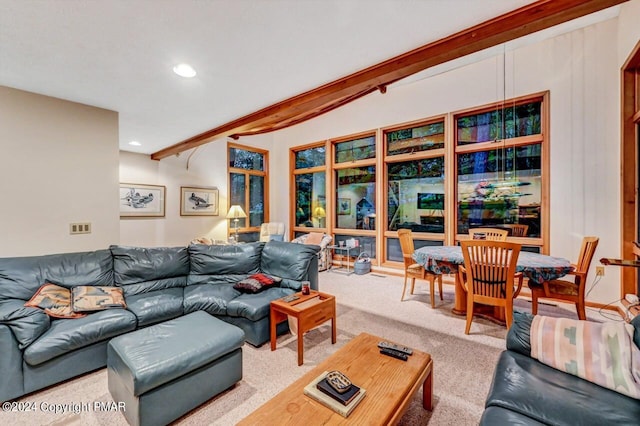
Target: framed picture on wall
(137,200)
(198,201)
(344,206)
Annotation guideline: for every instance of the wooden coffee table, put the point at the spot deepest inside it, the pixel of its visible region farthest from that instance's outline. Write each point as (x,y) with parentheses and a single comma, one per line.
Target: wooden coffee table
(390,384)
(310,311)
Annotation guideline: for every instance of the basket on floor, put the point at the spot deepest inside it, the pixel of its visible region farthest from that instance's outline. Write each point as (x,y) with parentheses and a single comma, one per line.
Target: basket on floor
(362,264)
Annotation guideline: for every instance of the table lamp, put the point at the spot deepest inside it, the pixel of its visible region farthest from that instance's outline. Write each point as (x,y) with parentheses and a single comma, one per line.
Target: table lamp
(319,213)
(235,213)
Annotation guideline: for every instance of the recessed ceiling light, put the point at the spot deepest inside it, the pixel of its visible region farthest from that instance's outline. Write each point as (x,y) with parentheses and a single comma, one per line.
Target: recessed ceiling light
(184,70)
(135,143)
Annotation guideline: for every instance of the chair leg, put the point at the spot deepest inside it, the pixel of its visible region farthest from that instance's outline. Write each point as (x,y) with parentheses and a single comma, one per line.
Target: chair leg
(508,313)
(404,288)
(440,285)
(432,289)
(469,312)
(581,310)
(413,284)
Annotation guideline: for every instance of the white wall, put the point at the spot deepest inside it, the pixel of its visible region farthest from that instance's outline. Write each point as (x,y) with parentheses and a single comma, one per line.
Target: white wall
(629,29)
(59,165)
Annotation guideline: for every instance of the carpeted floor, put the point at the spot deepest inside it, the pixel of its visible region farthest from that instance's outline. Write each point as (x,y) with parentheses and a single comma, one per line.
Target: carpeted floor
(463,365)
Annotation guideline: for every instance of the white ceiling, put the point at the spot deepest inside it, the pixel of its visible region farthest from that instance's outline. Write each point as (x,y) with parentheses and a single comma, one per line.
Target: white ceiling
(249,54)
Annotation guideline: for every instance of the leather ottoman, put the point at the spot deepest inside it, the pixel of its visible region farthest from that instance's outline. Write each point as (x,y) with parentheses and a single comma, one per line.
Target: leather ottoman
(166,370)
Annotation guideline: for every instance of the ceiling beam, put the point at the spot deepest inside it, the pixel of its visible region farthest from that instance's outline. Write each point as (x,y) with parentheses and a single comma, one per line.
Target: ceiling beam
(509,26)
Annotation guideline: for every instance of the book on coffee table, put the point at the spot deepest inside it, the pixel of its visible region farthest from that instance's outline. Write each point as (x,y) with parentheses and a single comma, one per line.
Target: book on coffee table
(343,398)
(312,391)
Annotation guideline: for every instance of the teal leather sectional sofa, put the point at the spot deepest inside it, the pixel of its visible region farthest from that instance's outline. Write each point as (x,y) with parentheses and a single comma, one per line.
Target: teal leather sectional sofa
(159,284)
(525,391)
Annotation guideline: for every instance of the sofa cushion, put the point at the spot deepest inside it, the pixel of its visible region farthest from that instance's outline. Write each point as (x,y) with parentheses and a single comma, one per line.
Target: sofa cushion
(26,323)
(287,260)
(236,259)
(66,335)
(156,306)
(21,277)
(636,330)
(519,334)
(528,387)
(212,298)
(493,416)
(255,306)
(141,269)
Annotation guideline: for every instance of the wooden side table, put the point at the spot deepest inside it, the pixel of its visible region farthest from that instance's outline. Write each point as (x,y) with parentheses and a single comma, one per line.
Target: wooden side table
(309,310)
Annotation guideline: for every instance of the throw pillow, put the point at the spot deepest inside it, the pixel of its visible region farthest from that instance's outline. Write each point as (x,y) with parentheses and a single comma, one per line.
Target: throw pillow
(55,300)
(96,298)
(314,238)
(255,283)
(602,353)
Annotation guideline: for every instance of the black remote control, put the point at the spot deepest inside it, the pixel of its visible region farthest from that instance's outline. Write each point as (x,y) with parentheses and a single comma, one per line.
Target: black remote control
(389,345)
(394,353)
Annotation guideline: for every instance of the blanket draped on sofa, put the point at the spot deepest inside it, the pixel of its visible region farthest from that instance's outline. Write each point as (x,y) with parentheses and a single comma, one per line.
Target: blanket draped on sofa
(602,353)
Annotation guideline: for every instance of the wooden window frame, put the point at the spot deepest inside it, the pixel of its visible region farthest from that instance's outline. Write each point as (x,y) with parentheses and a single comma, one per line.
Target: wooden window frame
(542,138)
(450,152)
(293,172)
(401,158)
(265,175)
(333,167)
(629,203)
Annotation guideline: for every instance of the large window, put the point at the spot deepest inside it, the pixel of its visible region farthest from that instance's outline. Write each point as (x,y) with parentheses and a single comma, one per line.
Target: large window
(309,180)
(415,183)
(439,177)
(499,168)
(355,183)
(247,188)
(356,198)
(354,186)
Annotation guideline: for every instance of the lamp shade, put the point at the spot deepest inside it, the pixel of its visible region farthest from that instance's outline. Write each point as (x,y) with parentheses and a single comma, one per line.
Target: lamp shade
(319,212)
(236,212)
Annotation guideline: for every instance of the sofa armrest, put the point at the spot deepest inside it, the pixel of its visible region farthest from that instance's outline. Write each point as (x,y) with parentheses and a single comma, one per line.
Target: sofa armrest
(519,335)
(26,323)
(12,383)
(636,330)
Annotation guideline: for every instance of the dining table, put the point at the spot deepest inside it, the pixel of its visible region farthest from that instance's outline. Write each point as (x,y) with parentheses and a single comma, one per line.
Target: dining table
(537,267)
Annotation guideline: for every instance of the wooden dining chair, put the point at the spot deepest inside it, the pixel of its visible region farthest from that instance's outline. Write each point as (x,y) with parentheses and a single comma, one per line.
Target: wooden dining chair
(414,270)
(517,229)
(489,275)
(567,290)
(490,234)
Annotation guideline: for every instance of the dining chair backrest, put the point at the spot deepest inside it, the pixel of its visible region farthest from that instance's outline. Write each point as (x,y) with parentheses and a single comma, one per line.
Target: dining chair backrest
(490,267)
(517,229)
(406,245)
(489,234)
(587,250)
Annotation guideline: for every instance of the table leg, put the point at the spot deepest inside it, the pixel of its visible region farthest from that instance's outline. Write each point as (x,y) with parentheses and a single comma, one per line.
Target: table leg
(333,329)
(272,326)
(460,303)
(427,391)
(300,344)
